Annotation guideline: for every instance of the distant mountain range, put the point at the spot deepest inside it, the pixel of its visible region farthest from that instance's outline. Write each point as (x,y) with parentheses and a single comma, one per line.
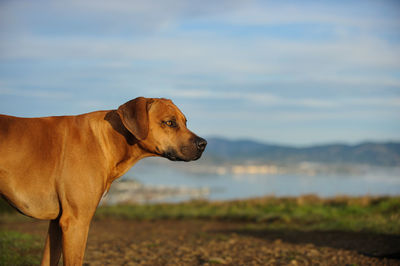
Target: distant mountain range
(372,153)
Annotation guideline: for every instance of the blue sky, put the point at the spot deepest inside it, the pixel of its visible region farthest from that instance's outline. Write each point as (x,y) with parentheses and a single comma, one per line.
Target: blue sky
(292,72)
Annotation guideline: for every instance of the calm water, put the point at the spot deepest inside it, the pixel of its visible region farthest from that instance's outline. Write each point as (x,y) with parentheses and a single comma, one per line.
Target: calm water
(225,187)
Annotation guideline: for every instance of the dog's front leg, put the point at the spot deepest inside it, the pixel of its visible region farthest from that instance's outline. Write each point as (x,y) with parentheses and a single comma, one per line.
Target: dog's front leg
(53,246)
(75,228)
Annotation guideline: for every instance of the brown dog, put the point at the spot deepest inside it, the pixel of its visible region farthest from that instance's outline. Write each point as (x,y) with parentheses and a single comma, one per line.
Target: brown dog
(58,168)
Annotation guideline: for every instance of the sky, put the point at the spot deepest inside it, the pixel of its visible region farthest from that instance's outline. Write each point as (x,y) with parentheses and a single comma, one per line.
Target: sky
(286,72)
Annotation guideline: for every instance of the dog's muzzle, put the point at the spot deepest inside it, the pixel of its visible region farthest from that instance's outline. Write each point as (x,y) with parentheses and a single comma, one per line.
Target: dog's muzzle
(186,153)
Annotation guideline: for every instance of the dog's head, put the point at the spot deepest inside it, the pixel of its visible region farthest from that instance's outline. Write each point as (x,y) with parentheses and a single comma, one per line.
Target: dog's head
(160,128)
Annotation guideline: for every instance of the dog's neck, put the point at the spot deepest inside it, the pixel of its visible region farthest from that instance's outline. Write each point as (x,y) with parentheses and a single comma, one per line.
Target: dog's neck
(124,146)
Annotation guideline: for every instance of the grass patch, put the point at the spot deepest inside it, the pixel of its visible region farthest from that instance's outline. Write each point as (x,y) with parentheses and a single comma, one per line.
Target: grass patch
(371,214)
(5,207)
(19,249)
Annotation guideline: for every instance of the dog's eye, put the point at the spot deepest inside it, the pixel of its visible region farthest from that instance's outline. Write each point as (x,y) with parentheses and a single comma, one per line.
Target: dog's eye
(170,123)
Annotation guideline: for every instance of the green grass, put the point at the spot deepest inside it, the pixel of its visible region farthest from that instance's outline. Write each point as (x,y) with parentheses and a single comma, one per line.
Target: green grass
(5,207)
(19,249)
(306,213)
(370,214)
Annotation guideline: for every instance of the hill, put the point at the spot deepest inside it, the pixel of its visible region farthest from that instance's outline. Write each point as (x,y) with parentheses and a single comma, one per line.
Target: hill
(372,153)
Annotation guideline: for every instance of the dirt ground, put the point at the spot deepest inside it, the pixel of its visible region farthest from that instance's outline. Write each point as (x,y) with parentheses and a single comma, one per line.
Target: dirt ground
(205,242)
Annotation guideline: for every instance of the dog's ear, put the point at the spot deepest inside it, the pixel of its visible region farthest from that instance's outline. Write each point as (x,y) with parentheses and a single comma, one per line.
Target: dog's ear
(135,117)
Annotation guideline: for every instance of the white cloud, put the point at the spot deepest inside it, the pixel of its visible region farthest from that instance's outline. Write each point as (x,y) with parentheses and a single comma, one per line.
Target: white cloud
(92,17)
(229,58)
(93,105)
(341,17)
(190,51)
(269,99)
(35,93)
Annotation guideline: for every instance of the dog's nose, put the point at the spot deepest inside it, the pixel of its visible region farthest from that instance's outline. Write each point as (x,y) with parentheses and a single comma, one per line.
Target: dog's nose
(201,144)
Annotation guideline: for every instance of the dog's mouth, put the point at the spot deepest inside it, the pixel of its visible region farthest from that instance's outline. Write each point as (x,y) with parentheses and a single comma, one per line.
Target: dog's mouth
(173,155)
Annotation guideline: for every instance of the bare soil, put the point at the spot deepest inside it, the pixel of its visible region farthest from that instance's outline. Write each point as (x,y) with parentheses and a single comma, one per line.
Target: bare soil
(207,242)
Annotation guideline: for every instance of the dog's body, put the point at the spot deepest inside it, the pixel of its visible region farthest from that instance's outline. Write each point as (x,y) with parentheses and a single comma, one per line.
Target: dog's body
(58,168)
